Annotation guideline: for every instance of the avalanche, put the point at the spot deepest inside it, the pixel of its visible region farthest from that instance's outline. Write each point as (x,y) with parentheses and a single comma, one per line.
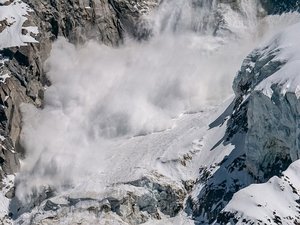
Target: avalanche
(151,132)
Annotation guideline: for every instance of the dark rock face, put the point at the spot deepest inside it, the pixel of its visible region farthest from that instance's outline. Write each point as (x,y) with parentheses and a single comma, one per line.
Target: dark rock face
(219,186)
(271,122)
(76,20)
(131,18)
(263,130)
(279,6)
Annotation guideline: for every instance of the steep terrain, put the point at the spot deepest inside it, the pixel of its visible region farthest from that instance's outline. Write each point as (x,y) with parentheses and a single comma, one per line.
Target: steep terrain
(263,126)
(271,94)
(135,129)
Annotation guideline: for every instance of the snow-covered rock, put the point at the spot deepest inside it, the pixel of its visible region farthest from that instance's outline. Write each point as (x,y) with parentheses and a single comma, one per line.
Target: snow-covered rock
(268,84)
(135,202)
(263,126)
(273,202)
(278,6)
(267,91)
(13,32)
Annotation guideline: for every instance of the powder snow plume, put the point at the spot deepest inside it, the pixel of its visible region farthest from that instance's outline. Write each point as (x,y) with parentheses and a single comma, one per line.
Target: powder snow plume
(101,94)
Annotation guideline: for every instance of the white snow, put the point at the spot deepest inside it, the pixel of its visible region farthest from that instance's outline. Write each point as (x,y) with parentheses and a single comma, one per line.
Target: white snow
(115,111)
(4,77)
(288,77)
(130,159)
(7,183)
(181,219)
(277,197)
(15,15)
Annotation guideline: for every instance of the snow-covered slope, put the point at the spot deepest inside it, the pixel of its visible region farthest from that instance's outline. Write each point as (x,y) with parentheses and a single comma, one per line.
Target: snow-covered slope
(273,202)
(148,168)
(13,33)
(140,133)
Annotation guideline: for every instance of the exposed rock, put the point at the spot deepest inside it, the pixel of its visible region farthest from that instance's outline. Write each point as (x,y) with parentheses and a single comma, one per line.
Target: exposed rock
(76,20)
(272,121)
(278,6)
(263,127)
(133,203)
(131,16)
(11,193)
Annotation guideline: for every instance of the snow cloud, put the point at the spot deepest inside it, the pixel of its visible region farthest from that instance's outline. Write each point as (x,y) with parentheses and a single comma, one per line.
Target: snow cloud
(101,94)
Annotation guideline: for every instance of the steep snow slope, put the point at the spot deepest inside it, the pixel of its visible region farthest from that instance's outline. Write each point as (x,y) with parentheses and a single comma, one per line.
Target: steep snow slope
(274,202)
(171,157)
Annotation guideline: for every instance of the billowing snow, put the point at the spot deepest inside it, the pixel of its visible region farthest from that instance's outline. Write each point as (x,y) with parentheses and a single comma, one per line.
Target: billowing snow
(128,159)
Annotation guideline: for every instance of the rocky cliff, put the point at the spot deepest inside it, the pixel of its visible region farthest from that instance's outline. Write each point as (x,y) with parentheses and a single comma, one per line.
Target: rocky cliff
(268,83)
(264,128)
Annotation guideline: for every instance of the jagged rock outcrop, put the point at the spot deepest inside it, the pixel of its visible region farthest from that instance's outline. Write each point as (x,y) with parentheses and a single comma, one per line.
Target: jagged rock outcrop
(264,86)
(263,126)
(278,6)
(135,202)
(131,15)
(76,20)
(274,202)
